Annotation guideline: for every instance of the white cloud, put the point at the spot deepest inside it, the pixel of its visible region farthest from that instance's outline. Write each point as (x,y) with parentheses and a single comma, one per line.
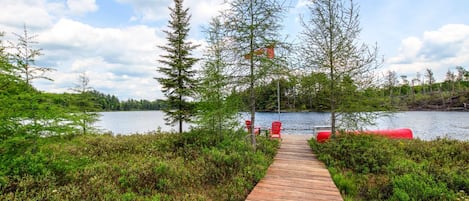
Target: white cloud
(408,51)
(120,61)
(155,10)
(107,42)
(203,11)
(15,13)
(80,7)
(149,10)
(439,50)
(40,14)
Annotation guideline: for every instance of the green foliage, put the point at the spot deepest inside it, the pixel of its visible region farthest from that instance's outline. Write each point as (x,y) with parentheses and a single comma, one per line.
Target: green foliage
(366,167)
(30,112)
(423,187)
(178,83)
(132,105)
(24,110)
(252,26)
(216,109)
(83,106)
(188,166)
(331,45)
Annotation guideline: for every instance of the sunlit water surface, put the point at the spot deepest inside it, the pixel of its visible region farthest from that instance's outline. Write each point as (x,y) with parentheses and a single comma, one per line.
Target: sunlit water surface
(425,125)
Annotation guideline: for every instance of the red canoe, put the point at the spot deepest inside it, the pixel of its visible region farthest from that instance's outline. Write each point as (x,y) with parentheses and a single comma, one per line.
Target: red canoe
(403,133)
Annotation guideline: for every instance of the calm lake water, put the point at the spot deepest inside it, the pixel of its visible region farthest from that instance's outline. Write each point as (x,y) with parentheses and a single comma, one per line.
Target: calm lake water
(426,125)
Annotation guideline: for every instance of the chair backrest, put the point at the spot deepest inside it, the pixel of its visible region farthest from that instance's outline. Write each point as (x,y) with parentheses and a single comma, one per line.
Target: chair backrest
(248,125)
(276,127)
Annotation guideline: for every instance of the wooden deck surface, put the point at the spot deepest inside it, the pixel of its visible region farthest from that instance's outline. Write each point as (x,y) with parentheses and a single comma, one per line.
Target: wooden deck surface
(296,174)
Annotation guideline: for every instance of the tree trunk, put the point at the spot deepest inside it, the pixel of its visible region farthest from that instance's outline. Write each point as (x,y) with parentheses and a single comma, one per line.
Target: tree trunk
(253,97)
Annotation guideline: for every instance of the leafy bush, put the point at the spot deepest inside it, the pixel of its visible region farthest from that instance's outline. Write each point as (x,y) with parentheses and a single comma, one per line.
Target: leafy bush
(367,167)
(197,165)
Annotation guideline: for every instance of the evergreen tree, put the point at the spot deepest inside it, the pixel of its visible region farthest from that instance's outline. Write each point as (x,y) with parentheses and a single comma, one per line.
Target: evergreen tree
(178,83)
(216,108)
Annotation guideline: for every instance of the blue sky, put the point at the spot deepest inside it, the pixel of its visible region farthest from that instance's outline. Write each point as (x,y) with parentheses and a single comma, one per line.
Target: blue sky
(115,41)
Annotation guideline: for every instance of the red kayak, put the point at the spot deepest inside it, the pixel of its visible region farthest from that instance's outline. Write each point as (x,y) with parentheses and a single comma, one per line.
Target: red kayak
(403,133)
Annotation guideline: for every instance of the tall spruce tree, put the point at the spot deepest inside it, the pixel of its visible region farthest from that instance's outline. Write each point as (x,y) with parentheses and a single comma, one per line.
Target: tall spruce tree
(178,82)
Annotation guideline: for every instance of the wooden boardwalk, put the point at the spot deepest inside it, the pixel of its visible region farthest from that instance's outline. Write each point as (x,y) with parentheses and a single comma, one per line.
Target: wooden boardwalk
(296,174)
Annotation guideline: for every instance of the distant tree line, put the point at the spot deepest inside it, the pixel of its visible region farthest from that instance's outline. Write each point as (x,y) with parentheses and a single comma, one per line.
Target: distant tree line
(424,93)
(308,92)
(107,102)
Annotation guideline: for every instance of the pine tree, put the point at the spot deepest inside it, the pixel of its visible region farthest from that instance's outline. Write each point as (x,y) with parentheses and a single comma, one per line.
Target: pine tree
(178,82)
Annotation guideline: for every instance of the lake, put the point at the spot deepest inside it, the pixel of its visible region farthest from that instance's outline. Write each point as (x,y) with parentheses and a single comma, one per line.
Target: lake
(425,125)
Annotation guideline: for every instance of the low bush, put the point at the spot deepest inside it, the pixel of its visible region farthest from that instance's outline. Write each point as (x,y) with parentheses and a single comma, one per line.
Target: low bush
(367,167)
(197,165)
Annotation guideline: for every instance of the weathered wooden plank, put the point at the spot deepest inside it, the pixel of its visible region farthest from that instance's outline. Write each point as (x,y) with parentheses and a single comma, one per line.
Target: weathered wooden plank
(292,149)
(299,166)
(306,193)
(306,183)
(277,194)
(296,174)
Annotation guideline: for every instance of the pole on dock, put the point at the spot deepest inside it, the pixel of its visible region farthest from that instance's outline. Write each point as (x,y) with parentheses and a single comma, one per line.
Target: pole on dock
(278,97)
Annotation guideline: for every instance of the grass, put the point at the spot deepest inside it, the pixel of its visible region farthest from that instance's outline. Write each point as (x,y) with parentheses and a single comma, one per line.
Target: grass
(366,167)
(197,165)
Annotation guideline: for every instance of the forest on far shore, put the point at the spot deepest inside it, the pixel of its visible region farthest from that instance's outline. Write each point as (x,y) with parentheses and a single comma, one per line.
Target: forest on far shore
(306,92)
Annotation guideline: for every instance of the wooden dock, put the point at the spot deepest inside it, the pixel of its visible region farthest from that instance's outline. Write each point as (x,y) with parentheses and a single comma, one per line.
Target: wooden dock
(296,174)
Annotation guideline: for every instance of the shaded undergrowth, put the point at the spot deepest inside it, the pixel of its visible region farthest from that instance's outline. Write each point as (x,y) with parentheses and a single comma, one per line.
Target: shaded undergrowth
(366,167)
(198,165)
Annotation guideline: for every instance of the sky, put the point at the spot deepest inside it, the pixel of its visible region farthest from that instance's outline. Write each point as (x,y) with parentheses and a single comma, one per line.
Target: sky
(115,42)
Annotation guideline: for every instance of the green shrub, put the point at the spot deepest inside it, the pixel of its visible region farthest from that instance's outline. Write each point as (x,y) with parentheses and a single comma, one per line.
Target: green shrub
(366,167)
(197,165)
(361,153)
(419,187)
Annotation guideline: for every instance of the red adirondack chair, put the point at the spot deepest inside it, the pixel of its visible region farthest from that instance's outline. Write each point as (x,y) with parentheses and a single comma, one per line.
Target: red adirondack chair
(257,130)
(275,131)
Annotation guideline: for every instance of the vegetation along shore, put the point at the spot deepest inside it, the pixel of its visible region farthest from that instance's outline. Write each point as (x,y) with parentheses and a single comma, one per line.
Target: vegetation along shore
(198,165)
(367,167)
